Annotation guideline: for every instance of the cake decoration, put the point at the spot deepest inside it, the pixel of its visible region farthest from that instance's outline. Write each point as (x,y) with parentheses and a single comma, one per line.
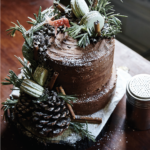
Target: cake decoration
(70,48)
(79,8)
(57,23)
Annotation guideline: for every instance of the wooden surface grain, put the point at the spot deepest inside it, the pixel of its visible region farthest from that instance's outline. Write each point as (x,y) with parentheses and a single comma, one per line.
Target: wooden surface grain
(119,136)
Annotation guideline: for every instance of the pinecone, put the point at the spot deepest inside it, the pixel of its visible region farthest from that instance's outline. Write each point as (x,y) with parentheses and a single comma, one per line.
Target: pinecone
(24,108)
(51,117)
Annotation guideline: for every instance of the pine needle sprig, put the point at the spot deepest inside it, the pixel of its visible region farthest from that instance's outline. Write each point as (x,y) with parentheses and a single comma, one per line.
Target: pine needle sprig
(13,79)
(67,98)
(21,29)
(113,23)
(41,16)
(8,104)
(84,40)
(111,28)
(42,98)
(27,70)
(74,30)
(33,21)
(80,32)
(38,19)
(79,129)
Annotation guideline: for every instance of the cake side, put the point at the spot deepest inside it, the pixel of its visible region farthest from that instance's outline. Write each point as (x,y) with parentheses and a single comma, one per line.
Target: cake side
(90,104)
(81,71)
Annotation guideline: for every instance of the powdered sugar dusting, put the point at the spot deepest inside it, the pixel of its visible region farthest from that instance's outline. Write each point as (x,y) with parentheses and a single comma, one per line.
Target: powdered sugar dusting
(76,56)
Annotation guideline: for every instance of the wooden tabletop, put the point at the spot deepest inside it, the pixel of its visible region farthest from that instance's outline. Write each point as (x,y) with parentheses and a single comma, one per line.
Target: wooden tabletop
(119,136)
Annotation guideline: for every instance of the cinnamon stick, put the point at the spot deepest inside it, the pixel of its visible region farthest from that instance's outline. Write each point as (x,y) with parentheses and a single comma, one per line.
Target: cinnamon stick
(97,28)
(57,89)
(59,7)
(36,48)
(69,106)
(83,119)
(53,80)
(76,118)
(95,3)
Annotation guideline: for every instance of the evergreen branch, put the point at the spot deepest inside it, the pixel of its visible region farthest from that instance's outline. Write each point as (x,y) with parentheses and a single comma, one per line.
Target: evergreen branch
(28,54)
(35,16)
(26,68)
(47,11)
(41,16)
(33,21)
(14,29)
(67,98)
(74,30)
(38,18)
(84,41)
(113,23)
(43,97)
(79,129)
(8,104)
(13,79)
(30,22)
(21,29)
(80,32)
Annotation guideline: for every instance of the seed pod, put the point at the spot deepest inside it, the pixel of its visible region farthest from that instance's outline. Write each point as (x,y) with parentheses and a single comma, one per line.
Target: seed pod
(31,88)
(40,75)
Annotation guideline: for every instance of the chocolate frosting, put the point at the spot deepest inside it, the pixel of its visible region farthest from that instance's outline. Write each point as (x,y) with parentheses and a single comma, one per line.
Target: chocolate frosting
(82,71)
(90,104)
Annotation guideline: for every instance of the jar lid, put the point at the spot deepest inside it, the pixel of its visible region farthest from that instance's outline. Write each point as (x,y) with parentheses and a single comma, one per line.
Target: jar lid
(139,86)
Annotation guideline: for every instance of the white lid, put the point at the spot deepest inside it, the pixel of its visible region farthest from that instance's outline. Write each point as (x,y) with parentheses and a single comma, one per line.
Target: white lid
(139,86)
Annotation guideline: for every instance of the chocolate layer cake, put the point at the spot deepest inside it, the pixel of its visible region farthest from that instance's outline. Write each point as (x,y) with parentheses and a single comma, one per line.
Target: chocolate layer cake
(87,72)
(68,69)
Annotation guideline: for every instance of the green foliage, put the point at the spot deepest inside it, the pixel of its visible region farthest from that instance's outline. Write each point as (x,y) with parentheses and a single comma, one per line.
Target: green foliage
(105,8)
(28,53)
(28,37)
(38,19)
(33,21)
(80,32)
(79,129)
(8,104)
(67,98)
(84,40)
(13,79)
(27,70)
(42,98)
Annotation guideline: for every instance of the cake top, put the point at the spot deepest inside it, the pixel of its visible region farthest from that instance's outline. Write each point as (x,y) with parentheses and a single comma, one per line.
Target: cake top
(68,53)
(86,23)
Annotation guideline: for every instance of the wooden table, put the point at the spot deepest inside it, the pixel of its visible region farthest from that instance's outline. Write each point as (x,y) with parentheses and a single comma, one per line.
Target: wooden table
(119,136)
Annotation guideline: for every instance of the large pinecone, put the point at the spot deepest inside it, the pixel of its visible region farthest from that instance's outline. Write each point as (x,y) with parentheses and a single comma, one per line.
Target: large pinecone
(51,117)
(24,108)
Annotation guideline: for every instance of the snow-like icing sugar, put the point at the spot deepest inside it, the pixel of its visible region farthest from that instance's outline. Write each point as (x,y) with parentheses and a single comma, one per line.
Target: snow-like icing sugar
(76,56)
